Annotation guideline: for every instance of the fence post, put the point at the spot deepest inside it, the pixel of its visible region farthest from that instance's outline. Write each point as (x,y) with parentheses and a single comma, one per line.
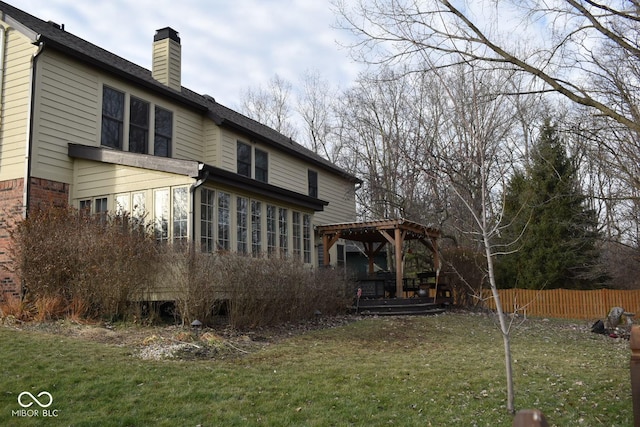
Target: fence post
(634,343)
(530,418)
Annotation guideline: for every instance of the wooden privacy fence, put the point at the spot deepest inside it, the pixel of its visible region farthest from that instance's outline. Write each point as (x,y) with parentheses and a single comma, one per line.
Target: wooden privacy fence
(565,303)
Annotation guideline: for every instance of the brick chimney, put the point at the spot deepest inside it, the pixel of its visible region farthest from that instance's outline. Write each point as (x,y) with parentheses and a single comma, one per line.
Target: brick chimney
(167,58)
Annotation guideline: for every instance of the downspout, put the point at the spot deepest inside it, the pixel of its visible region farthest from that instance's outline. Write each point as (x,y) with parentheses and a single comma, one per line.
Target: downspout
(30,112)
(192,190)
(3,36)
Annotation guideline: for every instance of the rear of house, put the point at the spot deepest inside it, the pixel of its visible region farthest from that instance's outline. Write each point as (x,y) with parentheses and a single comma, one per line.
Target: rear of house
(84,127)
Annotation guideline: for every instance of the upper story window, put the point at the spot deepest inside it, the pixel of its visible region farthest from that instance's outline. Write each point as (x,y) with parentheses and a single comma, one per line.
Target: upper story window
(116,130)
(244,159)
(138,125)
(163,132)
(262,166)
(312,179)
(112,118)
(252,162)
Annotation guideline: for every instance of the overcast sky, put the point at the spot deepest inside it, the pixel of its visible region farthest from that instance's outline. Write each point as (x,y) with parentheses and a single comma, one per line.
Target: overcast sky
(228,46)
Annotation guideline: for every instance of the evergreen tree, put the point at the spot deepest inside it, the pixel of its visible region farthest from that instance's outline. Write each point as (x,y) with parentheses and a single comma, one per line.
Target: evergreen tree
(552,234)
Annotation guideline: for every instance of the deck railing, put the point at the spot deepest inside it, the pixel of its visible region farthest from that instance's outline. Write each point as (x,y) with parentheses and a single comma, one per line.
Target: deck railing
(565,303)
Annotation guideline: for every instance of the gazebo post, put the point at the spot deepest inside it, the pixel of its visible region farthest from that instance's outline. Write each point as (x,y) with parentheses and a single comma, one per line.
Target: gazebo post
(399,267)
(325,249)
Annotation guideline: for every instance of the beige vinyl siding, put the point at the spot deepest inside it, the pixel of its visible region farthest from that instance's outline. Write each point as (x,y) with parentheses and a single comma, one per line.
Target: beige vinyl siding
(15,105)
(211,143)
(66,97)
(288,172)
(341,197)
(94,179)
(70,110)
(188,135)
(228,150)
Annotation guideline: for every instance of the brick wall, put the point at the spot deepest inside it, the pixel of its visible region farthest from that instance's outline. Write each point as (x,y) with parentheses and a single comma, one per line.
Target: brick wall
(10,212)
(42,192)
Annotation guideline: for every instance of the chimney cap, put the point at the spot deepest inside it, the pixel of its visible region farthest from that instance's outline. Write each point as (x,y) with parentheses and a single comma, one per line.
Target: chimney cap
(166,33)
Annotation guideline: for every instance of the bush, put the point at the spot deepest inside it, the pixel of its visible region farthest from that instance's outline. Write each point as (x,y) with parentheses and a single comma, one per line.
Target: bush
(80,266)
(98,263)
(256,291)
(465,270)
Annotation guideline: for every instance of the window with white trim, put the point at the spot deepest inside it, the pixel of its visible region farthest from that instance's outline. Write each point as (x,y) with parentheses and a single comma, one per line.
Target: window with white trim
(243,159)
(138,125)
(296,234)
(242,219)
(256,227)
(163,132)
(112,118)
(180,214)
(224,221)
(207,219)
(306,238)
(283,231)
(272,227)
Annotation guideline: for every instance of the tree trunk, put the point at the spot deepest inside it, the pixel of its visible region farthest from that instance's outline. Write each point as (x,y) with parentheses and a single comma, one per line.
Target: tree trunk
(504,327)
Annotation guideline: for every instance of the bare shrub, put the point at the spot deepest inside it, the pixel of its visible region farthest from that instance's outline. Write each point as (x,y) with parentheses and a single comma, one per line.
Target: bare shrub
(464,271)
(194,276)
(103,261)
(257,291)
(267,291)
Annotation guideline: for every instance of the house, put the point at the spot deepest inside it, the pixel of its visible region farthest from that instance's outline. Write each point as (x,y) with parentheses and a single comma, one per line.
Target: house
(84,127)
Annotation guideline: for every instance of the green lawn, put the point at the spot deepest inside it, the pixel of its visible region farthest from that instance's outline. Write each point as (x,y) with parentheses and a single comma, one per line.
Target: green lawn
(424,371)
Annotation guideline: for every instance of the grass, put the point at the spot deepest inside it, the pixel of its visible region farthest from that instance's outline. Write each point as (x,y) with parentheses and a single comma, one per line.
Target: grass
(424,371)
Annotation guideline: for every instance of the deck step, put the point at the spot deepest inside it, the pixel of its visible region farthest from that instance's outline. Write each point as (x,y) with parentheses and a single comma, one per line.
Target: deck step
(398,306)
(402,313)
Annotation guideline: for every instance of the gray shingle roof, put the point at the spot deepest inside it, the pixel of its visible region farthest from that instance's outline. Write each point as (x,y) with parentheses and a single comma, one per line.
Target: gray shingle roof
(53,36)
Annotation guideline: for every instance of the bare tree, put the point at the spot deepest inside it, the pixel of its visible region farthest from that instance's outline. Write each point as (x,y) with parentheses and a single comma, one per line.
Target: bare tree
(580,47)
(474,158)
(381,120)
(271,106)
(316,106)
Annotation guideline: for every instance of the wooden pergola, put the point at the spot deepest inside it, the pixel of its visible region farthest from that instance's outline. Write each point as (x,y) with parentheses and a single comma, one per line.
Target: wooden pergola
(374,235)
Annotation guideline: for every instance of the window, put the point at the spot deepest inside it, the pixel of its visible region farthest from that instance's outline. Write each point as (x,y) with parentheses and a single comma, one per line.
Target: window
(122,204)
(138,125)
(100,206)
(112,118)
(161,215)
(283,228)
(306,238)
(271,229)
(224,221)
(139,209)
(207,219)
(163,132)
(180,214)
(85,206)
(312,179)
(256,227)
(262,166)
(340,253)
(242,217)
(297,234)
(244,159)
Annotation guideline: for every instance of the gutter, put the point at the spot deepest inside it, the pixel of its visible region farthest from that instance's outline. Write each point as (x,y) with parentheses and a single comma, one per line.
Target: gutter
(199,182)
(26,192)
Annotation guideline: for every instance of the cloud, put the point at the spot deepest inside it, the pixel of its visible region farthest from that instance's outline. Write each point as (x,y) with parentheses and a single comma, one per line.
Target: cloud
(227,47)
